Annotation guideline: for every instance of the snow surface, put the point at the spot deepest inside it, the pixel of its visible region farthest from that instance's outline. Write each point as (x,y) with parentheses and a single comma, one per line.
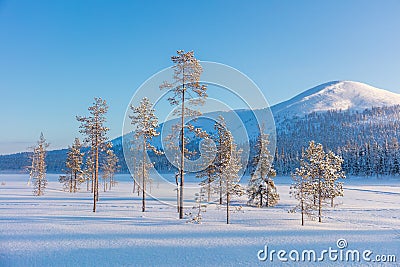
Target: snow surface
(59,228)
(338,95)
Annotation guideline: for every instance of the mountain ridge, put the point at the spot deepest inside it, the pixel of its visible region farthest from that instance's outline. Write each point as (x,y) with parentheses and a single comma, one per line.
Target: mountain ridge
(336,95)
(343,94)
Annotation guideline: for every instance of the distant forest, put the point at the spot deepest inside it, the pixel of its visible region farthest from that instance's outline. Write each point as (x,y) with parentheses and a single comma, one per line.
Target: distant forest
(367,141)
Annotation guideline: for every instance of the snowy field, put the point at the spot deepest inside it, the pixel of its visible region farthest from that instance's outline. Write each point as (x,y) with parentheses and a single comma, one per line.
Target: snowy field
(60,229)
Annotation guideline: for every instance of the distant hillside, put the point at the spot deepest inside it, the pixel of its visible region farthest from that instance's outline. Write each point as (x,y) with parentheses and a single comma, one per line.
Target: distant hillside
(367,140)
(355,120)
(55,160)
(337,95)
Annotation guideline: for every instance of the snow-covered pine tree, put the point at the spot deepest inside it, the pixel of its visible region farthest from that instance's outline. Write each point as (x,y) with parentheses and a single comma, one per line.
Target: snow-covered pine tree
(320,172)
(200,207)
(326,169)
(230,174)
(146,124)
(109,167)
(135,154)
(394,151)
(303,191)
(223,154)
(187,93)
(261,189)
(208,156)
(74,170)
(38,166)
(332,173)
(88,172)
(315,156)
(96,136)
(228,164)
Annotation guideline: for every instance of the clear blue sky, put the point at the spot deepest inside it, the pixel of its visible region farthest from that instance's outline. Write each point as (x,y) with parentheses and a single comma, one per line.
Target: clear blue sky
(55,56)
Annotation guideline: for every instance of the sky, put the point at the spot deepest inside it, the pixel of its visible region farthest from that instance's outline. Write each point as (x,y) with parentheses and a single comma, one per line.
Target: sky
(56,56)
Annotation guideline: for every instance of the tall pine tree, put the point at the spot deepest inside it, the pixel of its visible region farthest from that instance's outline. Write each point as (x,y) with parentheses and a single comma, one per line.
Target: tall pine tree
(317,180)
(187,93)
(38,166)
(261,189)
(146,124)
(109,168)
(74,167)
(96,136)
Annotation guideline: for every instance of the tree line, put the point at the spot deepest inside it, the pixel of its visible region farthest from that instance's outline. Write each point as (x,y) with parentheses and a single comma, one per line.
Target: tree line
(367,141)
(314,182)
(99,157)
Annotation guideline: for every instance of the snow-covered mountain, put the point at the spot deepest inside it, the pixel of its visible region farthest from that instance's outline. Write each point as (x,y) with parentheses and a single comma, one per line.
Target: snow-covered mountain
(289,120)
(338,95)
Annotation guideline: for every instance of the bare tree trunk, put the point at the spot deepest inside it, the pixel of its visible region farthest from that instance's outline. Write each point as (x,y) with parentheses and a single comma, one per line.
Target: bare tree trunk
(177,192)
(39,186)
(96,184)
(302,203)
(182,152)
(220,176)
(227,202)
(319,201)
(70,183)
(209,189)
(97,187)
(302,212)
(332,201)
(143,176)
(267,197)
(75,188)
(220,190)
(178,198)
(97,167)
(93,175)
(134,174)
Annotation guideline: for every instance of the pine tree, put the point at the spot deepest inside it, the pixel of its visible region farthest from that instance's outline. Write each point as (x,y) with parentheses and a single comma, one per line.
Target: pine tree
(261,189)
(395,170)
(200,207)
(223,140)
(38,166)
(230,175)
(302,190)
(187,93)
(227,166)
(109,167)
(88,172)
(146,124)
(315,156)
(96,136)
(134,148)
(316,180)
(208,156)
(73,164)
(332,173)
